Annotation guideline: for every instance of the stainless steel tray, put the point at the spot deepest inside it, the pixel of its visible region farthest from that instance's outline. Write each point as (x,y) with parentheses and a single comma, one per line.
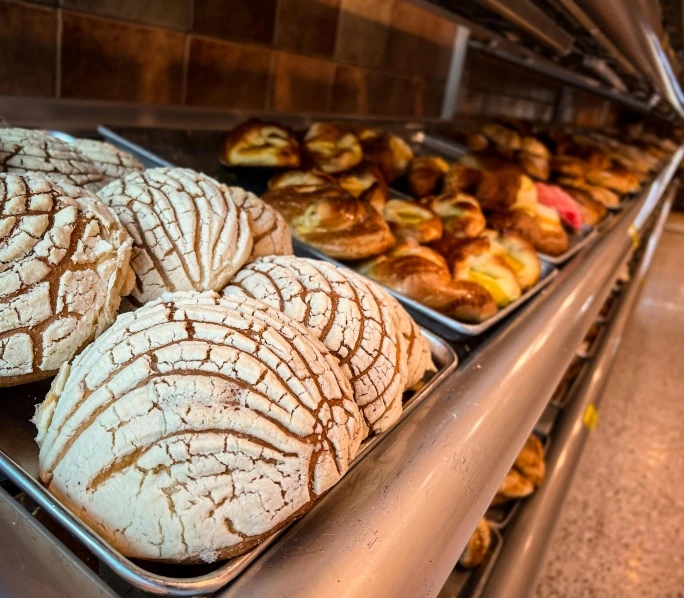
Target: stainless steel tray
(577,242)
(19,463)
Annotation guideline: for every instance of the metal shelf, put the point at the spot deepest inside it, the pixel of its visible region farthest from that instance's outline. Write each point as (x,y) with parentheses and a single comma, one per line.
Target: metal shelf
(397,523)
(527,539)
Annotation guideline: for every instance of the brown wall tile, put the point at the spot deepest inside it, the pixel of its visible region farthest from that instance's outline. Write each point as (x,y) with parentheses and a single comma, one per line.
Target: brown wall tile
(308,26)
(419,42)
(111,60)
(227,75)
(390,95)
(350,91)
(301,84)
(172,14)
(28,50)
(238,20)
(429,96)
(363,30)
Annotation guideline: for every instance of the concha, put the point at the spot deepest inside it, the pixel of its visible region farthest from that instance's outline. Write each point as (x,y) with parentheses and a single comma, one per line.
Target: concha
(188,233)
(195,427)
(113,162)
(64,264)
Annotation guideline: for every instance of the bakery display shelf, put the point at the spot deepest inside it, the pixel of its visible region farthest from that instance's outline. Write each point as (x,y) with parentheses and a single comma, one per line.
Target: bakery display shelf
(577,242)
(564,391)
(19,463)
(530,533)
(588,349)
(396,524)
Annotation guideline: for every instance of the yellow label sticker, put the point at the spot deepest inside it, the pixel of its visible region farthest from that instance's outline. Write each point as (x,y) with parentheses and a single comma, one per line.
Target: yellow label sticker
(634,233)
(590,417)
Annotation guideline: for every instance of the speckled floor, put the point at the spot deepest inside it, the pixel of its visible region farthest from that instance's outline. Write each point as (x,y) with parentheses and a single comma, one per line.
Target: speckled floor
(621,532)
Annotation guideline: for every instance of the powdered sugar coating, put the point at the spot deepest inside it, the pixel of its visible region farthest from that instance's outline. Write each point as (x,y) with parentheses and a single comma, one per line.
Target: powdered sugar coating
(109,159)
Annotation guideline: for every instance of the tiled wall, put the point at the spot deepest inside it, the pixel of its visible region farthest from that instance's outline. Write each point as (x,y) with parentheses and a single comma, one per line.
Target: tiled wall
(365,57)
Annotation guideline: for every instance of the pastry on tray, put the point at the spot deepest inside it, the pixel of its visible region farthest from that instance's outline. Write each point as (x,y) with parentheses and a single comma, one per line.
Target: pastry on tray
(534,157)
(198,449)
(259,143)
(518,254)
(602,195)
(422,274)
(592,211)
(544,229)
(616,178)
(461,177)
(188,232)
(425,175)
(65,267)
(501,190)
(506,140)
(477,547)
(389,152)
(461,214)
(304,180)
(332,148)
(527,473)
(366,182)
(555,197)
(410,220)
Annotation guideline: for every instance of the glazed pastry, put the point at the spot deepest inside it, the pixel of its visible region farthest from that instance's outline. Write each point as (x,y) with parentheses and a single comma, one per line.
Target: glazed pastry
(110,160)
(592,211)
(332,148)
(518,254)
(259,143)
(24,151)
(348,315)
(534,158)
(410,220)
(478,546)
(302,180)
(365,182)
(389,152)
(547,236)
(600,194)
(530,461)
(425,175)
(462,178)
(64,266)
(553,196)
(188,233)
(195,427)
(460,213)
(515,485)
(507,190)
(474,261)
(569,166)
(506,140)
(616,178)
(420,273)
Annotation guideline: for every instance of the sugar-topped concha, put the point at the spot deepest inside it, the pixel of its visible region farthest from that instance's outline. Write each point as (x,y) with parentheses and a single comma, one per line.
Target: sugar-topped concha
(351,317)
(64,265)
(188,233)
(109,159)
(196,426)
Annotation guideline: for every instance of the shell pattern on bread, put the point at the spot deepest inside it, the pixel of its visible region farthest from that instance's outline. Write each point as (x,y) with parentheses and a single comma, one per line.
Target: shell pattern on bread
(64,264)
(350,317)
(109,159)
(187,231)
(25,150)
(195,426)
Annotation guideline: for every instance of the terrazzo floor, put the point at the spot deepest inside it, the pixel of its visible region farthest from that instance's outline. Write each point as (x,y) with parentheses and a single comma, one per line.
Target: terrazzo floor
(621,531)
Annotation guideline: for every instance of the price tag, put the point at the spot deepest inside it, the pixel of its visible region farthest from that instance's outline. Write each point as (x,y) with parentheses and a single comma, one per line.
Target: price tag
(590,418)
(634,233)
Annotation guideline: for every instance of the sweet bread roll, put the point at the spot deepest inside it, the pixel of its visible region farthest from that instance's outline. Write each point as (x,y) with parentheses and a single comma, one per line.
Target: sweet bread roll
(23,151)
(462,178)
(534,147)
(473,260)
(506,140)
(530,461)
(503,190)
(332,148)
(348,315)
(555,197)
(477,142)
(389,152)
(518,254)
(425,174)
(109,159)
(616,178)
(534,157)
(549,238)
(477,547)
(302,180)
(64,265)
(569,166)
(270,232)
(515,485)
(600,194)
(592,211)
(410,220)
(195,427)
(460,213)
(420,273)
(367,183)
(259,143)
(188,233)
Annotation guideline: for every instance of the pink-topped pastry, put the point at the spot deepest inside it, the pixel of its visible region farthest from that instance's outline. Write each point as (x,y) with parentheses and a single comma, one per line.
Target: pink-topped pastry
(553,196)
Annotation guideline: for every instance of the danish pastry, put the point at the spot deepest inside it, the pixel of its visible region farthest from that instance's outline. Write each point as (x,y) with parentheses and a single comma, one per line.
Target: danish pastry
(301,180)
(389,152)
(506,140)
(365,182)
(460,213)
(332,148)
(410,220)
(518,254)
(592,211)
(259,143)
(514,486)
(605,196)
(463,178)
(64,265)
(477,547)
(188,233)
(534,158)
(553,196)
(530,461)
(503,190)
(616,178)
(425,175)
(195,427)
(547,235)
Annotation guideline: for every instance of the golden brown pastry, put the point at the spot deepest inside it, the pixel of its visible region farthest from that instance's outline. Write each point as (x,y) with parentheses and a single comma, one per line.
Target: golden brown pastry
(410,220)
(420,273)
(478,546)
(530,461)
(425,174)
(300,179)
(503,190)
(460,177)
(534,147)
(570,166)
(605,196)
(592,211)
(547,236)
(518,254)
(366,182)
(390,152)
(506,140)
(332,148)
(460,213)
(515,485)
(534,158)
(477,142)
(259,143)
(616,178)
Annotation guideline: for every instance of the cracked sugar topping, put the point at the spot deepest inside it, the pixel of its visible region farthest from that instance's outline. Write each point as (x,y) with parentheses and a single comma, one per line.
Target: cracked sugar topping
(196,425)
(25,150)
(109,159)
(187,231)
(351,318)
(63,267)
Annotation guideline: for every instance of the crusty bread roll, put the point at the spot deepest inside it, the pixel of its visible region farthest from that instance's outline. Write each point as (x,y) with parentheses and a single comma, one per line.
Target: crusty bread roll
(477,547)
(187,231)
(195,427)
(25,150)
(410,220)
(332,148)
(461,214)
(64,264)
(350,317)
(425,175)
(259,143)
(518,254)
(109,159)
(389,152)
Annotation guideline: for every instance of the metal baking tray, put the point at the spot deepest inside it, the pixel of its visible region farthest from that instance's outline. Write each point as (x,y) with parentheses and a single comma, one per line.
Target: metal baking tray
(469,583)
(19,463)
(588,348)
(565,390)
(577,242)
(424,144)
(608,308)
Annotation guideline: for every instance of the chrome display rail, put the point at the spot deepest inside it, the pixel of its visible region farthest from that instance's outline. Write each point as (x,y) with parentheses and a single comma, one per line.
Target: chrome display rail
(396,525)
(521,561)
